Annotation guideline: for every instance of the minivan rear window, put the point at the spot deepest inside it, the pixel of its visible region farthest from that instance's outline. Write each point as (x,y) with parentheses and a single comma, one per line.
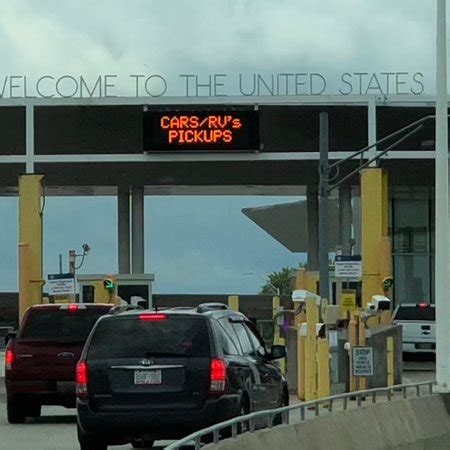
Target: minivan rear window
(414,312)
(60,324)
(131,337)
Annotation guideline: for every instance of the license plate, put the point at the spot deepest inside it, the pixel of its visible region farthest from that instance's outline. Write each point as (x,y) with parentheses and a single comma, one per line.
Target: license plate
(147,377)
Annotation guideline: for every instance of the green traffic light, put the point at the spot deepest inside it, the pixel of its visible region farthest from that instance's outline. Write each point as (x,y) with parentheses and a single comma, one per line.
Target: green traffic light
(108,284)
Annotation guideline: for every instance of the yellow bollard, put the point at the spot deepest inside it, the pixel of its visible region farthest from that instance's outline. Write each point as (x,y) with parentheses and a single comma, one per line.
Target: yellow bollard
(233,302)
(386,317)
(30,233)
(374,228)
(390,361)
(323,368)
(352,339)
(301,281)
(312,281)
(312,318)
(300,319)
(301,366)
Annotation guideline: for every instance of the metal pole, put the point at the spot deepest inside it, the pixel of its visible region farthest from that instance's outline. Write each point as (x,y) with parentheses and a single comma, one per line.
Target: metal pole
(123,229)
(345,219)
(313,225)
(137,230)
(324,171)
(60,263)
(441,237)
(72,261)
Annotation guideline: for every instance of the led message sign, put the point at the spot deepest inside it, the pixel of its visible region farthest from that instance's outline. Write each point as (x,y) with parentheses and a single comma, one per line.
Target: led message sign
(201,130)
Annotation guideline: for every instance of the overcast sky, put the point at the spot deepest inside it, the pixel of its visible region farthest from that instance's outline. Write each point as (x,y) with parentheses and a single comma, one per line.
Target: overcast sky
(197,244)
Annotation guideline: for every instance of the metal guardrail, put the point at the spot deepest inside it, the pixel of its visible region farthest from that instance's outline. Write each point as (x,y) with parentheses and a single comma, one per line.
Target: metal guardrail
(248,422)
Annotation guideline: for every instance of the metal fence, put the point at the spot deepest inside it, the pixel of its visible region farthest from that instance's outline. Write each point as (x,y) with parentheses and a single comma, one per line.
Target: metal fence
(231,428)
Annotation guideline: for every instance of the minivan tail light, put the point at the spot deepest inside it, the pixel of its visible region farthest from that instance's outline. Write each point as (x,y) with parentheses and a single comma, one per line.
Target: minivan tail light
(82,380)
(9,359)
(218,375)
(423,305)
(153,317)
(73,307)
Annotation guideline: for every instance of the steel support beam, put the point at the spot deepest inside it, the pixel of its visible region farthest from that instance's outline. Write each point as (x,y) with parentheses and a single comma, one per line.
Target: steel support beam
(312,206)
(30,241)
(123,229)
(345,219)
(137,229)
(324,171)
(442,221)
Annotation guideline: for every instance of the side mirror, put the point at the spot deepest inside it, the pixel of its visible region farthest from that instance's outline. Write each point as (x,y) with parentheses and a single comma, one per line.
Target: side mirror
(10,336)
(278,352)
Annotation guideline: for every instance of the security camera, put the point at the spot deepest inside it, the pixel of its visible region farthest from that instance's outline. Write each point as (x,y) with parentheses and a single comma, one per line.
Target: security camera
(86,248)
(379,303)
(300,296)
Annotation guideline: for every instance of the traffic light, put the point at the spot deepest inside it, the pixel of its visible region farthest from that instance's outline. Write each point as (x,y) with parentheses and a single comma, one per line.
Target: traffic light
(109,284)
(387,283)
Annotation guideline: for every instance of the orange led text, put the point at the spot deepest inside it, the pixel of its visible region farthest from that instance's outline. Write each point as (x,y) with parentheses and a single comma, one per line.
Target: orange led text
(191,129)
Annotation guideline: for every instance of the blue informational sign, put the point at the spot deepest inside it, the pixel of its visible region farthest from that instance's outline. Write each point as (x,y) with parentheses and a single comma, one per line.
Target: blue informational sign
(61,284)
(61,276)
(348,258)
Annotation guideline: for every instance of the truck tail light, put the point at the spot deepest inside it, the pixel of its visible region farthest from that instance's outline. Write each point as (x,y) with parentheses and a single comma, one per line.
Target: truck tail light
(82,380)
(218,376)
(9,359)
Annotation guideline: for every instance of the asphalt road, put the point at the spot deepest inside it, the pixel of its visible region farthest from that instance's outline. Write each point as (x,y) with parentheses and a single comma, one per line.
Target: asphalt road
(54,430)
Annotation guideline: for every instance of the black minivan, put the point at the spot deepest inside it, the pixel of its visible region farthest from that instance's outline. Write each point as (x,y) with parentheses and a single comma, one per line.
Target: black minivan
(157,375)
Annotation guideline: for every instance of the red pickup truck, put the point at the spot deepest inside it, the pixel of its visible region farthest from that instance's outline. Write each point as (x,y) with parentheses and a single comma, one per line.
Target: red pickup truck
(40,360)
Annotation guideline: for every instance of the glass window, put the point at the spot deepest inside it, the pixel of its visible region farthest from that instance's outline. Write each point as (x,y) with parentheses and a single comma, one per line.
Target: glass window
(257,341)
(243,337)
(412,278)
(226,342)
(132,337)
(416,312)
(60,324)
(411,228)
(265,329)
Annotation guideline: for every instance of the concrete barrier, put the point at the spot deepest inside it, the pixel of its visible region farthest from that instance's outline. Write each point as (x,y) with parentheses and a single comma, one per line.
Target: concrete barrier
(413,424)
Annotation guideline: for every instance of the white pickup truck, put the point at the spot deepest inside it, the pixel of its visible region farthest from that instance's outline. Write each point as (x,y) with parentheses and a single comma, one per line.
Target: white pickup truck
(419,327)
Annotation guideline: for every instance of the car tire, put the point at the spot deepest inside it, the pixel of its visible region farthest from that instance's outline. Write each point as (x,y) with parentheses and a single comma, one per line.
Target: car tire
(244,409)
(142,443)
(278,419)
(89,441)
(15,411)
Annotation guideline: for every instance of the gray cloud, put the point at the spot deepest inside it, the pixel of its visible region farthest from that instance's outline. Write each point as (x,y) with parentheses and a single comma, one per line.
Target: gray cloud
(211,36)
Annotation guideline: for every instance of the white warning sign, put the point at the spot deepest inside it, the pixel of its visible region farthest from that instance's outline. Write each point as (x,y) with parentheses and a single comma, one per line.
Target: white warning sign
(362,359)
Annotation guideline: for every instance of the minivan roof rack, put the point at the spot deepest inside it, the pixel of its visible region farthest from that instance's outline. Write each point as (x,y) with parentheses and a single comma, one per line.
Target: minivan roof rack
(204,307)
